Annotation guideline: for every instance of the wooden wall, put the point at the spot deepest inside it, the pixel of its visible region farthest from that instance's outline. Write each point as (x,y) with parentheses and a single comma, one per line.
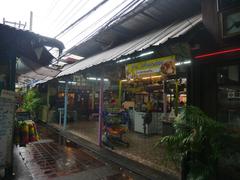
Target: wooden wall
(210,17)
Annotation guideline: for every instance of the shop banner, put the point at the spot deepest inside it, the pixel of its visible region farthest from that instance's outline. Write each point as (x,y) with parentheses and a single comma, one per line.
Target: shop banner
(153,67)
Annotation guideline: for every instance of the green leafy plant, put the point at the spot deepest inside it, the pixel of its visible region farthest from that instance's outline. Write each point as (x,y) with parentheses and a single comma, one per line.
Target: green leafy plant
(197,141)
(32,102)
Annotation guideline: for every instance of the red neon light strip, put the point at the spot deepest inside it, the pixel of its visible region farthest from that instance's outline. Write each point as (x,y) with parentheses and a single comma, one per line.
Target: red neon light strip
(217,53)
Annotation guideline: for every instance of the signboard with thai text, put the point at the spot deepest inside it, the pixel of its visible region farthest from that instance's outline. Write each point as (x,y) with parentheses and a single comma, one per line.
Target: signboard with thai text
(153,67)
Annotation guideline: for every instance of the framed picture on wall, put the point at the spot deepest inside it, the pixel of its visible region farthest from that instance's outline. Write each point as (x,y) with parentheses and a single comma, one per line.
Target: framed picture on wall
(227,4)
(230,23)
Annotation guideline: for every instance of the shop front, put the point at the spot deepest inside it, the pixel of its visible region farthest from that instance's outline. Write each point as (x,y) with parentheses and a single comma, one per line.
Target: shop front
(152,87)
(152,91)
(140,101)
(77,96)
(216,85)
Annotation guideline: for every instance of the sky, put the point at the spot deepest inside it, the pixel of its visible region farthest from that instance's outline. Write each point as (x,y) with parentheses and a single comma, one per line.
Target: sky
(50,17)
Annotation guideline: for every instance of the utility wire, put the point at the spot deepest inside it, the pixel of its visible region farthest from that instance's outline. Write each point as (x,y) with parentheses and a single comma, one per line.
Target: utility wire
(94,23)
(52,7)
(121,13)
(71,14)
(116,16)
(124,11)
(61,13)
(75,22)
(81,18)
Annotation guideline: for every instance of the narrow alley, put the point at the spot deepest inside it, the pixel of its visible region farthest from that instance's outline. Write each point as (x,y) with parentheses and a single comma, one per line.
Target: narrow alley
(120,90)
(54,157)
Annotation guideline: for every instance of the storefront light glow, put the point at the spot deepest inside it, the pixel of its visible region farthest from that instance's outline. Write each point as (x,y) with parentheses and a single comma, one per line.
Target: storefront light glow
(72,82)
(123,60)
(125,80)
(181,63)
(92,78)
(217,53)
(96,79)
(151,77)
(62,82)
(146,53)
(186,62)
(69,82)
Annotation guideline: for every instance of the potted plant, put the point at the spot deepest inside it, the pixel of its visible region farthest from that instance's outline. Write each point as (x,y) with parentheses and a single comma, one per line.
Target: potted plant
(31,103)
(196,144)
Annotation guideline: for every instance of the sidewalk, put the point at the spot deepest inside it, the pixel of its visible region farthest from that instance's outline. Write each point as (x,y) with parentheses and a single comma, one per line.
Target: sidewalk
(54,157)
(110,156)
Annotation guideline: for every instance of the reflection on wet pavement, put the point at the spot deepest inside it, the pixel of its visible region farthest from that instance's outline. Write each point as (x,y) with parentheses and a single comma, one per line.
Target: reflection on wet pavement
(142,149)
(53,160)
(54,157)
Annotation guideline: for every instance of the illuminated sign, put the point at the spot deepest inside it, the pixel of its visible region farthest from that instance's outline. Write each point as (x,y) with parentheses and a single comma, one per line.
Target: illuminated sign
(153,67)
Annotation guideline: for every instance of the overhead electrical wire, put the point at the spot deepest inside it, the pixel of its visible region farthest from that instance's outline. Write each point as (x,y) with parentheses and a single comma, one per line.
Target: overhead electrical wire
(128,7)
(126,11)
(122,12)
(78,20)
(94,23)
(104,24)
(58,16)
(70,14)
(61,13)
(52,8)
(81,18)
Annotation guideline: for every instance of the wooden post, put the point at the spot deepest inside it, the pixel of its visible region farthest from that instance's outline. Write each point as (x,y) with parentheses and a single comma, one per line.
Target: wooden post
(100,120)
(12,71)
(11,56)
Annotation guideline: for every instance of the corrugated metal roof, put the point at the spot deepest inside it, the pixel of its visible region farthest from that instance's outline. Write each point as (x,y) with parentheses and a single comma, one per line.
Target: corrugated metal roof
(150,15)
(28,72)
(154,38)
(26,44)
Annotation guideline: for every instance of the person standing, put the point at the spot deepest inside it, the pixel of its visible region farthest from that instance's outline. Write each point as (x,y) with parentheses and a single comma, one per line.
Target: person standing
(147,119)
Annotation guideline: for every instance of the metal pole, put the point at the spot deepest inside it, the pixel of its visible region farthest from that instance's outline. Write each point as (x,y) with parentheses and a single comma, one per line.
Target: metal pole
(120,93)
(31,21)
(164,99)
(12,70)
(176,97)
(60,117)
(65,106)
(93,98)
(100,120)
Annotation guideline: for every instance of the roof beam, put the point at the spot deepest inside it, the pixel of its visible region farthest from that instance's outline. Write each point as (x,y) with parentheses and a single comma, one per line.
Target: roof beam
(123,31)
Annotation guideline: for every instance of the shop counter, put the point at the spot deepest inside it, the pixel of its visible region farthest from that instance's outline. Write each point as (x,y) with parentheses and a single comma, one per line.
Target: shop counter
(138,121)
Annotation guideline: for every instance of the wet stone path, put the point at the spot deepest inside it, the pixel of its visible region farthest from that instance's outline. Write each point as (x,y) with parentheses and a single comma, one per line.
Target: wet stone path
(54,157)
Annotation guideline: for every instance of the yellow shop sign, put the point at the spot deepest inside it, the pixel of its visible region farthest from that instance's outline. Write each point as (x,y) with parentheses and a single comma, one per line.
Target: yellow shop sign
(153,67)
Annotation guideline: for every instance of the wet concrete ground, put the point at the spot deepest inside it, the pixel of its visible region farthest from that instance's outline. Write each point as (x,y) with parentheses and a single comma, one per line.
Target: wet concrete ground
(54,157)
(142,149)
